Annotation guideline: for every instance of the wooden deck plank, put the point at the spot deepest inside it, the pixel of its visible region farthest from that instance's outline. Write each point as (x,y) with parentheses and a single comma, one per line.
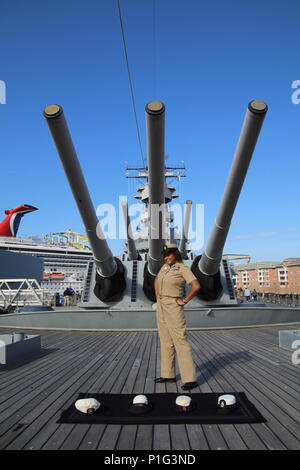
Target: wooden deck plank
(218,383)
(196,437)
(73,435)
(124,384)
(265,342)
(115,353)
(275,356)
(41,375)
(92,438)
(250,438)
(258,391)
(161,437)
(139,385)
(134,384)
(39,390)
(127,362)
(226,434)
(274,375)
(144,434)
(53,365)
(268,436)
(277,394)
(232,437)
(46,364)
(161,433)
(214,437)
(63,396)
(178,434)
(20,371)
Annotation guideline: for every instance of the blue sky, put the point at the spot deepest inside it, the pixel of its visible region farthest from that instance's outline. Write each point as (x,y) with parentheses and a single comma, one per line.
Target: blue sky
(204,60)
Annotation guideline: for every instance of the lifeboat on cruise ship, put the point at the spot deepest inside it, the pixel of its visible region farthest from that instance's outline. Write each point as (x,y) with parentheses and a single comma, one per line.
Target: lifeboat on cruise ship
(53,276)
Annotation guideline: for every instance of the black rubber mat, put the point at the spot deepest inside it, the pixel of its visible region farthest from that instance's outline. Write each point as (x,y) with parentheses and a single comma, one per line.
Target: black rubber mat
(162,409)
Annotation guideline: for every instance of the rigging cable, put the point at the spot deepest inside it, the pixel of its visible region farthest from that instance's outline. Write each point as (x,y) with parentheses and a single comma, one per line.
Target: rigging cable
(130,83)
(154,50)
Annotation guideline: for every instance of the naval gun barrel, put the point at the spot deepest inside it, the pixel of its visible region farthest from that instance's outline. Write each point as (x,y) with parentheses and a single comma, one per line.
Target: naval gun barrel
(132,251)
(211,258)
(155,113)
(185,230)
(105,262)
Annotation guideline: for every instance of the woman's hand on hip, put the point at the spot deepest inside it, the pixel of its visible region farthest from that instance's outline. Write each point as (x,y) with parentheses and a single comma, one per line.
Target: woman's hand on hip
(180,301)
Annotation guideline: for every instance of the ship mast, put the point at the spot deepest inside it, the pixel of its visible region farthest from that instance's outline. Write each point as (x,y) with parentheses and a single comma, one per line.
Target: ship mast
(142,173)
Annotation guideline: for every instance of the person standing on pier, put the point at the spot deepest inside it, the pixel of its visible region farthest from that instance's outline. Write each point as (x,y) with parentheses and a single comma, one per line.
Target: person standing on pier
(254,295)
(169,288)
(247,294)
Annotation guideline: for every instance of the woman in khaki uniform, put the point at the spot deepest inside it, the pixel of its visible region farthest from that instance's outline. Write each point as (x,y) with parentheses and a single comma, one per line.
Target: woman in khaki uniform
(169,289)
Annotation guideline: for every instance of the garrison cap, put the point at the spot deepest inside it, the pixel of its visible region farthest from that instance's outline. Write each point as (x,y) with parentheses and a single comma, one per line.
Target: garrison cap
(87,405)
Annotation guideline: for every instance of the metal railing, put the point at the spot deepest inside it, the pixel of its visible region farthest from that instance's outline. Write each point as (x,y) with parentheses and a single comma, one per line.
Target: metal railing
(20,292)
(271,299)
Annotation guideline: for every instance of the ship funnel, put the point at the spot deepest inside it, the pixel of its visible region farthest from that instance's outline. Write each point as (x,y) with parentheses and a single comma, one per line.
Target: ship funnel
(132,251)
(107,266)
(155,113)
(10,225)
(185,230)
(211,258)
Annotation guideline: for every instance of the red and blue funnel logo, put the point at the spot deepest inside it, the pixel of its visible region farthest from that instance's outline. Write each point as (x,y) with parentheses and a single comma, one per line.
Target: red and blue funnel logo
(9,226)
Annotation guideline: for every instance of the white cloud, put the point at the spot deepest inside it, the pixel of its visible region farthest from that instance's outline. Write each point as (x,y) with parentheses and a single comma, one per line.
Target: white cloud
(262,234)
(267,234)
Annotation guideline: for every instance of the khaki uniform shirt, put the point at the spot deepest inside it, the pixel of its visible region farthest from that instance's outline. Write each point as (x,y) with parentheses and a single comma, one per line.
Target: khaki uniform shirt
(171,279)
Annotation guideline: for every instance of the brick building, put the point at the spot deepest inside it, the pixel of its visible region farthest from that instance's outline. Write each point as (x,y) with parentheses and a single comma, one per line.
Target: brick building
(269,277)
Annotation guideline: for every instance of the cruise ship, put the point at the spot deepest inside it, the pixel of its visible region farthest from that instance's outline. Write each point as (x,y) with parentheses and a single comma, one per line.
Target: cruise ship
(65,255)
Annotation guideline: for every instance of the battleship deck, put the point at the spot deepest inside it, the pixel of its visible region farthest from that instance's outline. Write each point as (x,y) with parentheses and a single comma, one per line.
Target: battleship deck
(34,394)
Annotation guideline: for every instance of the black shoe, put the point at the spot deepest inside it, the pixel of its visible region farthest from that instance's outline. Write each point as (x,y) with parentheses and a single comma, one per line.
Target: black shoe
(189,385)
(161,380)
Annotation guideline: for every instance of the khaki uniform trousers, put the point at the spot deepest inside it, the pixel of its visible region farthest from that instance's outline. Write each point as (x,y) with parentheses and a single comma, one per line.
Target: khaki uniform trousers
(66,301)
(171,325)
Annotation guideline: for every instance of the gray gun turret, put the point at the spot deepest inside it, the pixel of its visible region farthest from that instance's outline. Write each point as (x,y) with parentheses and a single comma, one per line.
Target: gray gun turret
(128,280)
(110,277)
(206,267)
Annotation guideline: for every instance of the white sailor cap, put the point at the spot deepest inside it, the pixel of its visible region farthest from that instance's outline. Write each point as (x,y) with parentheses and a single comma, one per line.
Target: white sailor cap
(140,400)
(184,401)
(87,405)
